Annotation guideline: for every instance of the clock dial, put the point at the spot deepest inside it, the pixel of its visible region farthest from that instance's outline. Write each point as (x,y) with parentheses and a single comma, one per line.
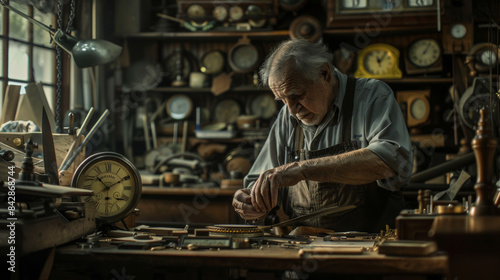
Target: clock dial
(220,13)
(488,57)
(458,31)
(227,111)
(116,184)
(263,106)
(212,62)
(236,13)
(418,109)
(379,62)
(424,52)
(179,106)
(196,11)
(244,57)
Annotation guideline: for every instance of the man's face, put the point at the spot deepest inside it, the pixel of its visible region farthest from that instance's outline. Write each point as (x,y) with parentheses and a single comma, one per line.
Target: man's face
(308,101)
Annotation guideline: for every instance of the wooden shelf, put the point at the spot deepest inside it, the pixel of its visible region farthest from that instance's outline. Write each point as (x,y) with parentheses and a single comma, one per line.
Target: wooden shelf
(428,80)
(247,88)
(275,34)
(271,34)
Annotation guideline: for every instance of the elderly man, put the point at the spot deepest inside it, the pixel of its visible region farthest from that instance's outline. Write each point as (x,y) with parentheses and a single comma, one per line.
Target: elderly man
(338,141)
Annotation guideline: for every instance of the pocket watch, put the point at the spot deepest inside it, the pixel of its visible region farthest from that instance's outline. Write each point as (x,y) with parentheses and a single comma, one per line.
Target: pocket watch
(116,184)
(380,61)
(423,56)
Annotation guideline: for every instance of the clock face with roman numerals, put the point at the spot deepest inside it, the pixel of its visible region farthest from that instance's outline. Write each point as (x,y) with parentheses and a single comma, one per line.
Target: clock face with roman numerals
(116,184)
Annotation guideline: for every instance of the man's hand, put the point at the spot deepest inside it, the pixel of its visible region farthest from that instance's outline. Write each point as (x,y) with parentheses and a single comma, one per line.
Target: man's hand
(265,190)
(242,203)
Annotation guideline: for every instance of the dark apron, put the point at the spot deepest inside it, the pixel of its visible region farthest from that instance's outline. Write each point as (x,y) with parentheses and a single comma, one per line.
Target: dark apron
(376,206)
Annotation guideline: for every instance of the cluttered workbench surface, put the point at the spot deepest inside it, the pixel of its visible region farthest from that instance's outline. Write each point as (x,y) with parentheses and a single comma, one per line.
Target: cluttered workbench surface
(264,257)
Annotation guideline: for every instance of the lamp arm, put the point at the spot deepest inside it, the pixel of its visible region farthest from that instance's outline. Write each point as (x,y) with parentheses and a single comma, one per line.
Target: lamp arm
(30,19)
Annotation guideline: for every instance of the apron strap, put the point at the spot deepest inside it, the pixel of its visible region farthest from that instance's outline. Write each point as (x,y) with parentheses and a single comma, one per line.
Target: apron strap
(299,140)
(347,105)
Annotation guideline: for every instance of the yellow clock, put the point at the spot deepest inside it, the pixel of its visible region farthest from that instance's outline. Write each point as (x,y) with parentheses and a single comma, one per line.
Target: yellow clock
(116,184)
(380,61)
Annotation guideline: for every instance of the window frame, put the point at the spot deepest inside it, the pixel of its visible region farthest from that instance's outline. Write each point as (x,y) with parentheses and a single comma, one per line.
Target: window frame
(5,38)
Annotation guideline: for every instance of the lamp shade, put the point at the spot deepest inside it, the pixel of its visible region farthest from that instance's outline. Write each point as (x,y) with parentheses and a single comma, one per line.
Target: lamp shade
(89,52)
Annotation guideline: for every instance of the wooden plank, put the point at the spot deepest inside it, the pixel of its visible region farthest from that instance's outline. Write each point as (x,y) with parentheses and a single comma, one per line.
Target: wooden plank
(10,101)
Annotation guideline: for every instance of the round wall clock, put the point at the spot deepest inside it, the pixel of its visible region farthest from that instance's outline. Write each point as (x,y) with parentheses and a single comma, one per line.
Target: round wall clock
(262,106)
(458,31)
(212,62)
(226,111)
(179,106)
(220,12)
(423,56)
(244,57)
(196,11)
(307,27)
(379,61)
(236,13)
(116,184)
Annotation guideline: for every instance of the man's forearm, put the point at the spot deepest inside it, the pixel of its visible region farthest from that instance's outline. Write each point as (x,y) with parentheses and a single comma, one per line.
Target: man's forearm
(357,167)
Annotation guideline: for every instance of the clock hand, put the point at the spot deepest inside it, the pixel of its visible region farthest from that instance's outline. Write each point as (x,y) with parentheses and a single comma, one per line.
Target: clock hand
(382,58)
(123,179)
(99,179)
(427,48)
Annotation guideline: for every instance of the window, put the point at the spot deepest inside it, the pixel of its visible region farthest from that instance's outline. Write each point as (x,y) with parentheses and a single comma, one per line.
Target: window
(26,53)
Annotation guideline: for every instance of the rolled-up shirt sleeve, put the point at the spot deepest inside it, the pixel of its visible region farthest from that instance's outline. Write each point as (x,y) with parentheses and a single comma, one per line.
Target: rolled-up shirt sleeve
(388,136)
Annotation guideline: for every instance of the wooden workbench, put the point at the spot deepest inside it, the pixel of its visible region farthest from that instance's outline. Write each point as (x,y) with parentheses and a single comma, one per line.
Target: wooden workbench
(267,262)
